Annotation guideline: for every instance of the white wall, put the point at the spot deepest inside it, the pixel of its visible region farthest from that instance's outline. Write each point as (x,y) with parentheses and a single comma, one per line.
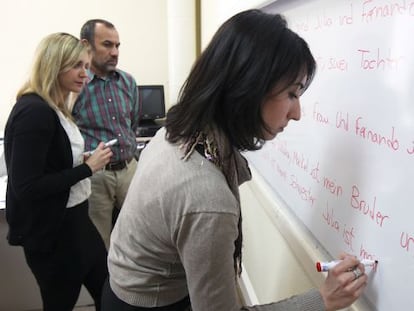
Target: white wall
(181,43)
(144,28)
(215,12)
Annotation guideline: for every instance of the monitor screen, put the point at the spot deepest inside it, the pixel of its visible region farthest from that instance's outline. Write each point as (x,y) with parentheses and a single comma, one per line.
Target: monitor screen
(151,102)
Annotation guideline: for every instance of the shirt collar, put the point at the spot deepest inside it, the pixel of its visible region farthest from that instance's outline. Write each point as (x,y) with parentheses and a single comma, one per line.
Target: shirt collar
(112,75)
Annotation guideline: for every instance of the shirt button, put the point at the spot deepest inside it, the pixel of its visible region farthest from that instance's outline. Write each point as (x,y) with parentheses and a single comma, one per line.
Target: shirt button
(109,99)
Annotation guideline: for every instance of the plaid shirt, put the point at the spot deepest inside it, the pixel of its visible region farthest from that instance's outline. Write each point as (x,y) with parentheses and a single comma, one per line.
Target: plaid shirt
(108,108)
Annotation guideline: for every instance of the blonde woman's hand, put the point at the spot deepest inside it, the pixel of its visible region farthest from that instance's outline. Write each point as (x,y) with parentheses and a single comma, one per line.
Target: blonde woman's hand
(99,158)
(342,286)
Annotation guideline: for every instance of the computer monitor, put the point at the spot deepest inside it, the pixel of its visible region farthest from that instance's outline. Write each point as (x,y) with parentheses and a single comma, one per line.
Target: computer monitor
(151,102)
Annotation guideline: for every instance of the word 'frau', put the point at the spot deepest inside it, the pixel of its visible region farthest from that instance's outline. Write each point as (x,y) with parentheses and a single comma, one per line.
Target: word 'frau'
(371,10)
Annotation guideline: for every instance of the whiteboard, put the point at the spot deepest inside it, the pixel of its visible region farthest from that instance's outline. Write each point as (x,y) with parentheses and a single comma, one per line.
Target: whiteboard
(346,169)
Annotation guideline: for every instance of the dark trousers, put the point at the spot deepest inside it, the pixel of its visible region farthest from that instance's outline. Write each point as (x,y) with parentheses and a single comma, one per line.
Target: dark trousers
(78,258)
(110,302)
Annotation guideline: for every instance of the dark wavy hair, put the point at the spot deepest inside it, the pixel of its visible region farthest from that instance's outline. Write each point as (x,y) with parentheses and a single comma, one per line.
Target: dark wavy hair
(250,53)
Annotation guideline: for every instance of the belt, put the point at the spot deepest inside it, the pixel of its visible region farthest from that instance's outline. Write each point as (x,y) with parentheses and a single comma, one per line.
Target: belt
(117,166)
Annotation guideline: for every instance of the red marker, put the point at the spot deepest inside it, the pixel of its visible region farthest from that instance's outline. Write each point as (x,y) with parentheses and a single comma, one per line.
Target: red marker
(326,266)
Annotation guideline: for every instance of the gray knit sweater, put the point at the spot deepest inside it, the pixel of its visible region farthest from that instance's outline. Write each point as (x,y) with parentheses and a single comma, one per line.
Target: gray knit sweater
(175,236)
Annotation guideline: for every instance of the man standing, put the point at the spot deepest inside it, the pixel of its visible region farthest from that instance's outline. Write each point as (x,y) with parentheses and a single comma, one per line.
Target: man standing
(106,109)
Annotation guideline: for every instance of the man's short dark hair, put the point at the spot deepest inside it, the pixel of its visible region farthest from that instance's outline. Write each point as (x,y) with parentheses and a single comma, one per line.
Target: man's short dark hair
(88,29)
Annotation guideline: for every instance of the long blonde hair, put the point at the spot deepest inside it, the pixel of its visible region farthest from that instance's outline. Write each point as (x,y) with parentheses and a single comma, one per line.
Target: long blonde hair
(56,53)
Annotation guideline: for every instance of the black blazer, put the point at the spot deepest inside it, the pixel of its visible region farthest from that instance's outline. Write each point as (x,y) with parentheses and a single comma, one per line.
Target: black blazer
(40,172)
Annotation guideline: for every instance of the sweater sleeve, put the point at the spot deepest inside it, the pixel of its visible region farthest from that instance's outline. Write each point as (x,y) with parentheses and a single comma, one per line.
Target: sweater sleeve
(30,147)
(206,246)
(308,301)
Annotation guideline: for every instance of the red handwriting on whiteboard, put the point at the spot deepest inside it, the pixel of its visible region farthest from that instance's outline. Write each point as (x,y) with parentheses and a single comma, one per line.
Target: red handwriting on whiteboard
(329,218)
(333,223)
(376,138)
(406,241)
(304,193)
(332,63)
(371,11)
(301,25)
(377,61)
(342,121)
(348,236)
(332,187)
(364,254)
(337,64)
(410,150)
(328,183)
(347,19)
(323,20)
(281,146)
(282,173)
(367,209)
(300,161)
(315,173)
(320,61)
(318,116)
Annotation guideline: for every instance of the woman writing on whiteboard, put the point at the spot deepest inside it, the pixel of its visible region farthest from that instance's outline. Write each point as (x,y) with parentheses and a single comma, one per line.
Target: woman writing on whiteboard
(178,241)
(48,185)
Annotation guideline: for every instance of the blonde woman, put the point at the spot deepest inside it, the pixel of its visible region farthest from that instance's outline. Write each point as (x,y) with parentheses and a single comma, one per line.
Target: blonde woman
(48,185)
